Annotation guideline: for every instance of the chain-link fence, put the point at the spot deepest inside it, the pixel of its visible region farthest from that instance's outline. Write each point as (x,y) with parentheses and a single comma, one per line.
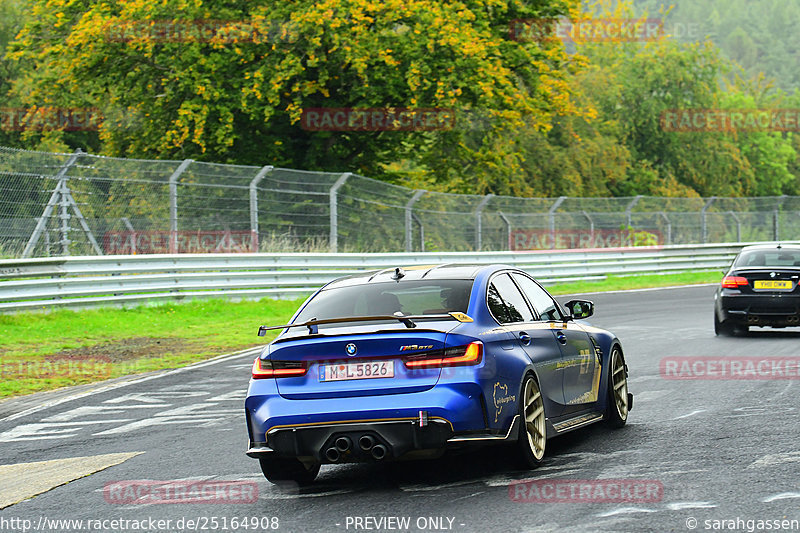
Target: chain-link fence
(80,204)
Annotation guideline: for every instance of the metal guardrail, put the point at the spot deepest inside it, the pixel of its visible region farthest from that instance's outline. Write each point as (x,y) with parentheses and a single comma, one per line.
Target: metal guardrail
(112,280)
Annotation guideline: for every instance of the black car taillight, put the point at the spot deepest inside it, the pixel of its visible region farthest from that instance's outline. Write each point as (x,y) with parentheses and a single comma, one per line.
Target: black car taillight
(264,369)
(471,354)
(733,282)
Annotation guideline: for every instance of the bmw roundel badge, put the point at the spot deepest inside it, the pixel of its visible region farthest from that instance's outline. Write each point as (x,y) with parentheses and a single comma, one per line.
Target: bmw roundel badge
(351,349)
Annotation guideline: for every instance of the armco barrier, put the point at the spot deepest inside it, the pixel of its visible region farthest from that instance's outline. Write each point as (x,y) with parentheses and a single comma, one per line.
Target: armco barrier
(103,280)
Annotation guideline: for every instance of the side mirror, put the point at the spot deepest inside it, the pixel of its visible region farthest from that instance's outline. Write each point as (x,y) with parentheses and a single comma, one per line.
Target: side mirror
(580,308)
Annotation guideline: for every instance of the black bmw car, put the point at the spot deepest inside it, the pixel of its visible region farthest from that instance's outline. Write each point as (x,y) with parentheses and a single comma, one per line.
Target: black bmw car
(760,289)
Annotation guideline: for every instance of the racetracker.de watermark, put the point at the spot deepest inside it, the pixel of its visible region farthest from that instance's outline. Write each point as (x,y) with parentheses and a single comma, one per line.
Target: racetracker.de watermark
(93,367)
(726,368)
(148,492)
(50,118)
(588,30)
(377,119)
(200,31)
(587,491)
(144,523)
(730,120)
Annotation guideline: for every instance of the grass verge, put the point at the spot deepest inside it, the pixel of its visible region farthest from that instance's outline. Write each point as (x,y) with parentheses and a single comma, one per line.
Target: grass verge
(44,351)
(622,283)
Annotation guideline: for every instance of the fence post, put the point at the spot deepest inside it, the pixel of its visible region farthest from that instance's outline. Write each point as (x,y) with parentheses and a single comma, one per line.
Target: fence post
(703,215)
(507,222)
(129,226)
(63,214)
(409,219)
(775,215)
(173,205)
(552,214)
(630,207)
(669,227)
(56,198)
(254,206)
(591,228)
(775,229)
(421,232)
(334,236)
(738,226)
(479,221)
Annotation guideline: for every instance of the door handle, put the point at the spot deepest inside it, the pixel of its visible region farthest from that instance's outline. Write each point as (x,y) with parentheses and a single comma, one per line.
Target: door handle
(524,338)
(561,337)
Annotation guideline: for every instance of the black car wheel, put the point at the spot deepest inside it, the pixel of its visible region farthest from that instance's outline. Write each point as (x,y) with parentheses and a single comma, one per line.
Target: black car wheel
(617,401)
(720,328)
(532,429)
(283,471)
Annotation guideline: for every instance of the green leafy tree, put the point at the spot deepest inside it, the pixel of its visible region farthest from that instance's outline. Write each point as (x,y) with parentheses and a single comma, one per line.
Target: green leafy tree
(236,93)
(759,35)
(10,22)
(769,153)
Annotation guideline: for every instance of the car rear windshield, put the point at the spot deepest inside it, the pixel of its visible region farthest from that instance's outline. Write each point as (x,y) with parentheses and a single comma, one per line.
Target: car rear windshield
(409,297)
(769,258)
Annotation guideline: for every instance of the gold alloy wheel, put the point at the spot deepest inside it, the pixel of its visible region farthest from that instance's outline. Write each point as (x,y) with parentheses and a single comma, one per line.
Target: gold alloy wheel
(534,418)
(620,381)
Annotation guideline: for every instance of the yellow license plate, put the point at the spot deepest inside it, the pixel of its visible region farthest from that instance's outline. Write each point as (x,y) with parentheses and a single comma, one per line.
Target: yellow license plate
(781,285)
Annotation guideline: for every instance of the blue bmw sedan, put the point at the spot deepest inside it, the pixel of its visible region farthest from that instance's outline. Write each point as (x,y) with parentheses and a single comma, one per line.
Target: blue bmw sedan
(404,363)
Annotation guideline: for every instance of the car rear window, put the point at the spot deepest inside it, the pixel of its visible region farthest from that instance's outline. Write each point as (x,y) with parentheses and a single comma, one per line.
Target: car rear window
(409,297)
(769,258)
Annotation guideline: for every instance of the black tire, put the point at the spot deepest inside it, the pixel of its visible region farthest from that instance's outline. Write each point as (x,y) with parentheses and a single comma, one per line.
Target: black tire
(288,472)
(617,390)
(532,439)
(721,328)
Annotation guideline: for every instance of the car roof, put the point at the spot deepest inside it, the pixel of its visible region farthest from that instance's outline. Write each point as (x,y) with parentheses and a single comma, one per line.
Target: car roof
(763,247)
(415,272)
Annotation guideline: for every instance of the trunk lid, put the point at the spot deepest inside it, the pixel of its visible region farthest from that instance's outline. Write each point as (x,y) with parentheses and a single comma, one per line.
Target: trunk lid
(334,371)
(769,281)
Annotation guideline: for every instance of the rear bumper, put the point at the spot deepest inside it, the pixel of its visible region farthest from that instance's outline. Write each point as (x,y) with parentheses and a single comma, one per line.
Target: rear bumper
(372,440)
(759,310)
(364,428)
(357,441)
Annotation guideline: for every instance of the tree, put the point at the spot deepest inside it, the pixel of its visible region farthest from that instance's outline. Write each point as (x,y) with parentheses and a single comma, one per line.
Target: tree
(228,81)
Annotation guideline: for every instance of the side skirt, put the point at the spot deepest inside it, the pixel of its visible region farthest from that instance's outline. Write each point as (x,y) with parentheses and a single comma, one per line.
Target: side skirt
(577,422)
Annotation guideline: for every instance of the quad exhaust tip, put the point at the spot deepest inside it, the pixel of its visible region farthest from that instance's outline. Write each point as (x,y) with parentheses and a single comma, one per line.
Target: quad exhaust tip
(379,451)
(332,455)
(369,444)
(343,444)
(366,442)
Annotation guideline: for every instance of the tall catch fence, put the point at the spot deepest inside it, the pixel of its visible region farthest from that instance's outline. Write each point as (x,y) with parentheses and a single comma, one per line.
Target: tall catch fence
(55,204)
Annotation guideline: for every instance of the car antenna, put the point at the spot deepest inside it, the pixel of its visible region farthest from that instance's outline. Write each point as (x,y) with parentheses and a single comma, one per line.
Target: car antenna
(399,273)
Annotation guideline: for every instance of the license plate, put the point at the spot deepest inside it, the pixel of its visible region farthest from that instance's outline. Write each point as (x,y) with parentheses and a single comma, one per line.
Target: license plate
(773,284)
(365,370)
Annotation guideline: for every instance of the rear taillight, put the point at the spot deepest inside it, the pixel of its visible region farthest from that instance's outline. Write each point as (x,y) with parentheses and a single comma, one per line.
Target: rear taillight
(278,369)
(471,354)
(733,282)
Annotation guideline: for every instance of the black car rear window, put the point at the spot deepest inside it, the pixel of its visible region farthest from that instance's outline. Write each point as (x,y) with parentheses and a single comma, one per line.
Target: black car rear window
(769,258)
(409,297)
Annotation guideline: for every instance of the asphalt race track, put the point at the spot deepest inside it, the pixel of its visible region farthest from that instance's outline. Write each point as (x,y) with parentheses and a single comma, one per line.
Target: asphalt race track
(720,450)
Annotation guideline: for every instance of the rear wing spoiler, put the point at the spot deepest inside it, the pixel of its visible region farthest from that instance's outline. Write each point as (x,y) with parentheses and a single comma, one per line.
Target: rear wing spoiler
(408,321)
